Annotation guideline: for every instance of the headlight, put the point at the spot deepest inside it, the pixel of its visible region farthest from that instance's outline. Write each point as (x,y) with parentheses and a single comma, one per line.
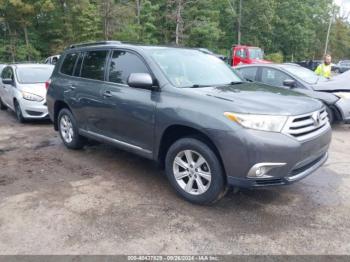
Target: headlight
(345,95)
(32,97)
(258,122)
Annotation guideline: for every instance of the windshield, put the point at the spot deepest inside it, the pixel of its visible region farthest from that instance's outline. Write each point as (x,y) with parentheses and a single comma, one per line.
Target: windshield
(304,74)
(32,75)
(192,68)
(256,53)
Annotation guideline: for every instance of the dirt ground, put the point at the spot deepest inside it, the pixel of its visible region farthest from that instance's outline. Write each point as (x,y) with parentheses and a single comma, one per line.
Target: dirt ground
(101,200)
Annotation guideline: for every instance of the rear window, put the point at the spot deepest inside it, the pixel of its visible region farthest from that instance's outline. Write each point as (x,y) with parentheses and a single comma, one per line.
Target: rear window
(94,65)
(68,63)
(32,75)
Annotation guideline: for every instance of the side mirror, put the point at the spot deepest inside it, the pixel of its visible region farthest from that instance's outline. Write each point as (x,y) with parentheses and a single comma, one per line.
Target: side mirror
(141,80)
(7,81)
(290,83)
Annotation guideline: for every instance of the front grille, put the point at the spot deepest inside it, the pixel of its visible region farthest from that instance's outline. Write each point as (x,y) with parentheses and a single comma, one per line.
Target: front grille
(307,126)
(269,182)
(306,166)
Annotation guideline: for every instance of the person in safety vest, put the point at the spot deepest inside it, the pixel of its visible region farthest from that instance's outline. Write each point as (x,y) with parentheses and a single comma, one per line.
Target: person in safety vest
(325,68)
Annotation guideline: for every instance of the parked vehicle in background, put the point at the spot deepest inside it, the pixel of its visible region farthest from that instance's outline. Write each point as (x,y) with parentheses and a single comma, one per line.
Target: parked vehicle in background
(341,66)
(242,54)
(310,64)
(23,90)
(334,94)
(191,113)
(207,51)
(2,66)
(52,60)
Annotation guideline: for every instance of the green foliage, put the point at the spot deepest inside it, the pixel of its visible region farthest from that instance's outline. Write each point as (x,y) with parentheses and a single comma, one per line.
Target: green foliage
(275,57)
(286,30)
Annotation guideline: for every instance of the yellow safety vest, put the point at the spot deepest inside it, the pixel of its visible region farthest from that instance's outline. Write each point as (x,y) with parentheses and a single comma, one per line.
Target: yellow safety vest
(324,70)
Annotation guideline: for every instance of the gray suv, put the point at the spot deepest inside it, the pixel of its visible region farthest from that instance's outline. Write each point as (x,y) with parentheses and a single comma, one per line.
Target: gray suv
(189,112)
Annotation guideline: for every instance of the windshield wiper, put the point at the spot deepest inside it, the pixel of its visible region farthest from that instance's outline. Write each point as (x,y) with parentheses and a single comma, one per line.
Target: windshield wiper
(233,83)
(198,86)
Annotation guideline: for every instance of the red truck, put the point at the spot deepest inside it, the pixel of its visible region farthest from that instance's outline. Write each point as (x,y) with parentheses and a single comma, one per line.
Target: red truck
(242,54)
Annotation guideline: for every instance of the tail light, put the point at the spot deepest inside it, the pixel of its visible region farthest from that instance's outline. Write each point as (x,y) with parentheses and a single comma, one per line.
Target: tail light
(47,84)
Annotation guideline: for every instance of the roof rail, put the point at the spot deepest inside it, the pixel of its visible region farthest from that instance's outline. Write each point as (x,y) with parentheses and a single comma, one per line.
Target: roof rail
(95,43)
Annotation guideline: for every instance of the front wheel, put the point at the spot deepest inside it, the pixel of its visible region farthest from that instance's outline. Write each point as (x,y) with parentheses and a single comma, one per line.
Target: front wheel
(330,115)
(68,130)
(195,171)
(18,112)
(2,105)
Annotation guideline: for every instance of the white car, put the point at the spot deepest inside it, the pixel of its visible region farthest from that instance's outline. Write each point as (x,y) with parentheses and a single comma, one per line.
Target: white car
(23,90)
(52,60)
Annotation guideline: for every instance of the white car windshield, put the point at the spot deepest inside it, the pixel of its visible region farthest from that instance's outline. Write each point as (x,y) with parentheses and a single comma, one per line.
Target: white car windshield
(304,74)
(192,68)
(32,75)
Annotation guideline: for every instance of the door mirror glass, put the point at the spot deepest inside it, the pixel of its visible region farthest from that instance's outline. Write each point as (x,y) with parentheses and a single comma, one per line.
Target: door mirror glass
(289,83)
(7,81)
(140,80)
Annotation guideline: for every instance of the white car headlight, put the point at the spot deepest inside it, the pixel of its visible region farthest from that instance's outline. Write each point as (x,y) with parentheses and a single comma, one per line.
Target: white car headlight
(345,95)
(32,97)
(259,122)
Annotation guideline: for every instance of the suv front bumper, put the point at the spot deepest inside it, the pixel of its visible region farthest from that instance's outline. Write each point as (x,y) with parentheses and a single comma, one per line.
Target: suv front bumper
(243,150)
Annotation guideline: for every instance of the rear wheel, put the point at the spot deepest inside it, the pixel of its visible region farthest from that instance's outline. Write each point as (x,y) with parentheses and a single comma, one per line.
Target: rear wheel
(18,112)
(2,105)
(68,130)
(195,171)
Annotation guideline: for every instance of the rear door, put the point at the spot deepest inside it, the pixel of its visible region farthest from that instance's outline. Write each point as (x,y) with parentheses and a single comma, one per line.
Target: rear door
(90,75)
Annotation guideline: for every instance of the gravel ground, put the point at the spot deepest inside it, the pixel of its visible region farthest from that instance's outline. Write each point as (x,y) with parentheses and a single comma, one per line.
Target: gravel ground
(101,200)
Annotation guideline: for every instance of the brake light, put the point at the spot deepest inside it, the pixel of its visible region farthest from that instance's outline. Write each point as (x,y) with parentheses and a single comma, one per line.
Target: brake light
(47,84)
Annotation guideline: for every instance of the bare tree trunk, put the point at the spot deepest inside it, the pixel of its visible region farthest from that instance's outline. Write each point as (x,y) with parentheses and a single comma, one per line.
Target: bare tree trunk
(138,11)
(12,45)
(178,22)
(25,30)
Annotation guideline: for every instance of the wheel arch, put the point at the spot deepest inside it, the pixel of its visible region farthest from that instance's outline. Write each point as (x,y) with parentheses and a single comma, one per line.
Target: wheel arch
(58,106)
(175,132)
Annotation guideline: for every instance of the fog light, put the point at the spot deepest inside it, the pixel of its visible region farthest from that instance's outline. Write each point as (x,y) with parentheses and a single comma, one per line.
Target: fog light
(261,170)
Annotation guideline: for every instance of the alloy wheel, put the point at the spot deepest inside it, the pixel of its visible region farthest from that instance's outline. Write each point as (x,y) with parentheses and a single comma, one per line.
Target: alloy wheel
(66,128)
(192,172)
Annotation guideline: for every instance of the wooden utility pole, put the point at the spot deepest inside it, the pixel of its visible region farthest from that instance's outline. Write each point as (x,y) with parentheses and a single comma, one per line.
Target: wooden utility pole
(239,22)
(329,29)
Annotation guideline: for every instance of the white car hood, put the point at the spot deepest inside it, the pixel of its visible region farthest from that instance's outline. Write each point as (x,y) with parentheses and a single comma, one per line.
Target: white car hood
(36,89)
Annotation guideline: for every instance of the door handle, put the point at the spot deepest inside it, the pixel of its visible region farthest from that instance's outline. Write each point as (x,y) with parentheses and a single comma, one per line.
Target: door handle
(107,94)
(72,87)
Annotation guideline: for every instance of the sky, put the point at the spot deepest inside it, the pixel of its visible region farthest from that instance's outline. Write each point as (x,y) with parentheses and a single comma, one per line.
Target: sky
(345,6)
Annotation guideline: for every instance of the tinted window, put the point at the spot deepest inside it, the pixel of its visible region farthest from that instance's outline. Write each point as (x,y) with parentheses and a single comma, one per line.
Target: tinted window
(78,66)
(7,73)
(123,64)
(273,77)
(68,63)
(94,65)
(249,73)
(31,75)
(304,74)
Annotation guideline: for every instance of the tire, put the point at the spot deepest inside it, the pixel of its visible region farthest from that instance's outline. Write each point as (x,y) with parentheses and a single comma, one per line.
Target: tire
(68,130)
(203,184)
(330,115)
(2,105)
(18,112)
(337,71)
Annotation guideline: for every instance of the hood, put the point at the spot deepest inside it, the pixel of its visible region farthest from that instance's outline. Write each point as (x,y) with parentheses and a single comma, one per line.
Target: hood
(338,83)
(255,98)
(36,89)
